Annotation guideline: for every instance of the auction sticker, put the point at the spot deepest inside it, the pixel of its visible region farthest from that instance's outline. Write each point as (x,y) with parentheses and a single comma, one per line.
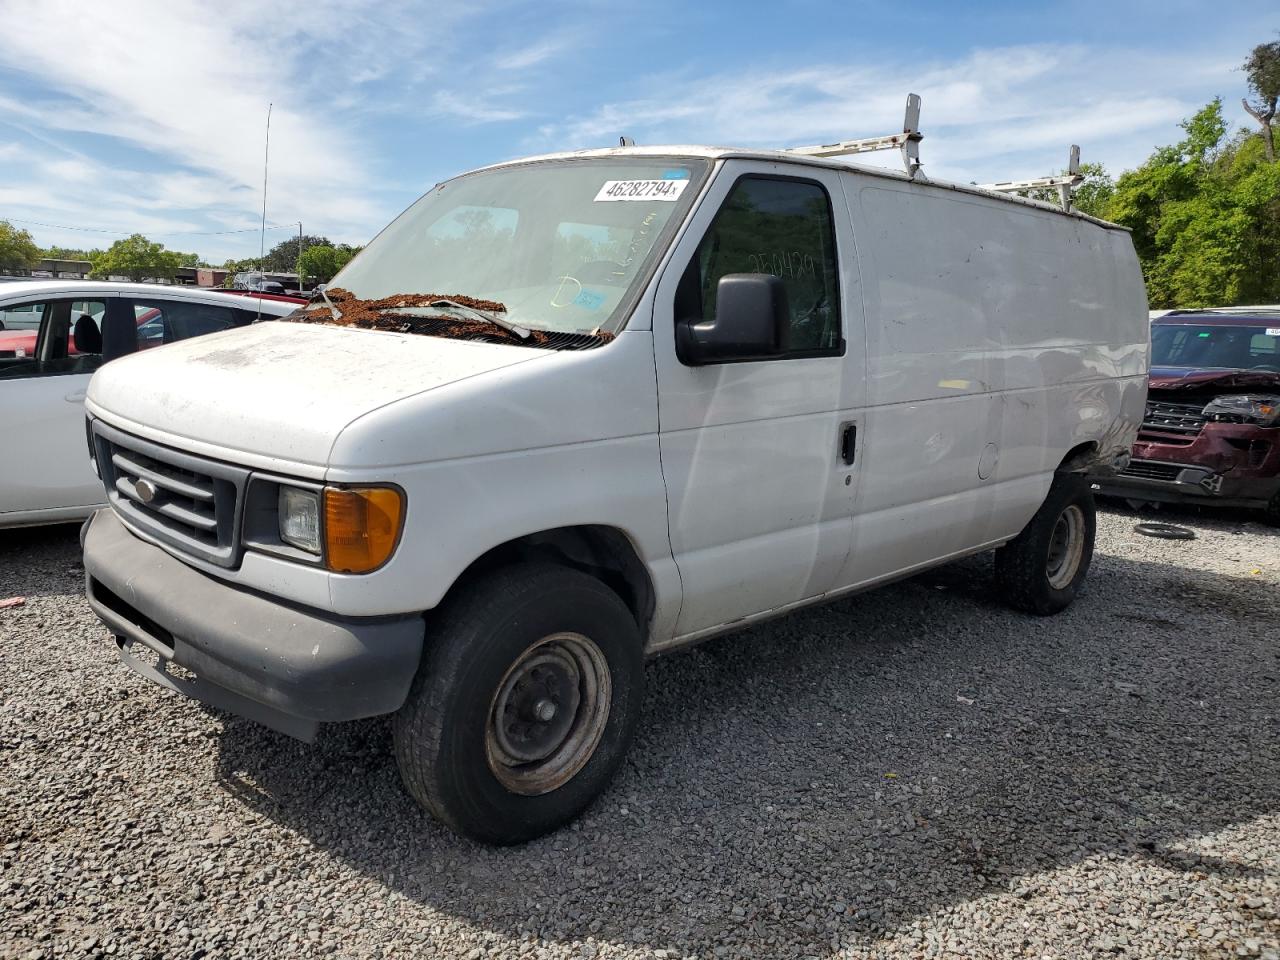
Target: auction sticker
(641,190)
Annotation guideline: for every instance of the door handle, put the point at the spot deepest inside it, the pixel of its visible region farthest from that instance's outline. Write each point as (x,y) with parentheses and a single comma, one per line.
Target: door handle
(75,396)
(849,443)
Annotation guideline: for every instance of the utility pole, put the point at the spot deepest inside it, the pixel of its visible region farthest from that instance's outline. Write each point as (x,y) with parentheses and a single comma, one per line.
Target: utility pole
(266,158)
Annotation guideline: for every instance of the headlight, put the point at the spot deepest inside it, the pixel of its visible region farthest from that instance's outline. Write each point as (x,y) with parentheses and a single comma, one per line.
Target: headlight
(299,512)
(352,529)
(1261,410)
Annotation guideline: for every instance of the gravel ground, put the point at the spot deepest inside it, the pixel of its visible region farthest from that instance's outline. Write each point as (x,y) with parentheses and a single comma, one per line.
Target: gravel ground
(913,773)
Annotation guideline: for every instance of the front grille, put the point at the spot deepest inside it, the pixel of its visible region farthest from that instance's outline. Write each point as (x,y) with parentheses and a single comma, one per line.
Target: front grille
(1185,418)
(190,503)
(1151,470)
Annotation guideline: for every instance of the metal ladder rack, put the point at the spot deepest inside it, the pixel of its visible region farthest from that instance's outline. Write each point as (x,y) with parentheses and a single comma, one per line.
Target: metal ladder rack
(908,141)
(1065,184)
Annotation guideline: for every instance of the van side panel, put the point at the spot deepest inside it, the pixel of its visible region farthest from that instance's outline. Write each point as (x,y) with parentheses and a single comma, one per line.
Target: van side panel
(999,337)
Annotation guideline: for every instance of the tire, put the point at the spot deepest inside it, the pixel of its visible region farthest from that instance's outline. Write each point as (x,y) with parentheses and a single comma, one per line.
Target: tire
(1271,512)
(557,655)
(1041,570)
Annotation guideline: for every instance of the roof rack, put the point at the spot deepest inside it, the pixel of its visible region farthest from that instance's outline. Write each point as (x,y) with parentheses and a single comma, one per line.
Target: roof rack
(908,141)
(1066,183)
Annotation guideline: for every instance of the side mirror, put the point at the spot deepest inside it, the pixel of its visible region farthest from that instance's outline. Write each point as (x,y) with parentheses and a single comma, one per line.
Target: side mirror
(752,322)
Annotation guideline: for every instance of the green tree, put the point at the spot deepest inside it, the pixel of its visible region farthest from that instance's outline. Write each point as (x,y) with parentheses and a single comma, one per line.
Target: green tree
(1205,216)
(70,253)
(17,250)
(1262,71)
(136,258)
(283,257)
(319,264)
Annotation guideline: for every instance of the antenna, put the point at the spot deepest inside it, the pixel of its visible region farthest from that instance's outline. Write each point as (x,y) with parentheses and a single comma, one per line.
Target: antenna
(908,141)
(266,156)
(1065,183)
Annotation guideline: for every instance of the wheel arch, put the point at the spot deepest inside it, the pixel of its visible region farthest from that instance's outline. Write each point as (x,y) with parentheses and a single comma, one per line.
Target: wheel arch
(601,551)
(1080,457)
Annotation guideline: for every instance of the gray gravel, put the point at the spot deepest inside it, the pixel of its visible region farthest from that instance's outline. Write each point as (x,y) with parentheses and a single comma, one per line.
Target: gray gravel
(916,772)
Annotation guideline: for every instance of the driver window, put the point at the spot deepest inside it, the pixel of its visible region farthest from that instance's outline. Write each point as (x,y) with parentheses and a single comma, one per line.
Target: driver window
(778,227)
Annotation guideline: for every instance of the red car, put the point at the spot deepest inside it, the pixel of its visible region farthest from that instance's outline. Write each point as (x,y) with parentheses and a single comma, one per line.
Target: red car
(1211,433)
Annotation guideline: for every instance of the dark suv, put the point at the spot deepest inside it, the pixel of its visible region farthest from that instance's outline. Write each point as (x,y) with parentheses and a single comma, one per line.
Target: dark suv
(1211,433)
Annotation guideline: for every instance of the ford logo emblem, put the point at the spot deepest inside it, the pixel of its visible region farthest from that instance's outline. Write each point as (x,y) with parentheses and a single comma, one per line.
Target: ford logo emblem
(146,490)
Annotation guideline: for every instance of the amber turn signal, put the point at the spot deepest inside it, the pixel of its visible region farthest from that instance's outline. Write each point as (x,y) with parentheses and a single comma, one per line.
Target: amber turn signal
(361,527)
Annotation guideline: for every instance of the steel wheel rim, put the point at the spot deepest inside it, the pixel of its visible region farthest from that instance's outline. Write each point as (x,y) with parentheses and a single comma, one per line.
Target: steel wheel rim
(1066,547)
(548,714)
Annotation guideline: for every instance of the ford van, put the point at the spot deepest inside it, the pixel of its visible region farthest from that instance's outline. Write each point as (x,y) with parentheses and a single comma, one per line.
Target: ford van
(570,412)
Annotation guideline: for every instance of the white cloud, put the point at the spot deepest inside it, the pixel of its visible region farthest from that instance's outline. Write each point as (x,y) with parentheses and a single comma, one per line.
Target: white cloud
(1019,105)
(186,90)
(534,53)
(471,109)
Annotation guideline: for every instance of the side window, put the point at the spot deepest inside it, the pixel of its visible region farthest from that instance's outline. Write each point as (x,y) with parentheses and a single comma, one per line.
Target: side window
(66,339)
(21,316)
(18,337)
(167,321)
(779,227)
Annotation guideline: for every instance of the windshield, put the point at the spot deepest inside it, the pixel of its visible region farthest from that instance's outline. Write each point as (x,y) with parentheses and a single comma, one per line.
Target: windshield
(1229,348)
(559,243)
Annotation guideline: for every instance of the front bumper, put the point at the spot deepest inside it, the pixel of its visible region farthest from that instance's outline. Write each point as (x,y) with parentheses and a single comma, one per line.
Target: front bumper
(1231,464)
(1180,484)
(286,667)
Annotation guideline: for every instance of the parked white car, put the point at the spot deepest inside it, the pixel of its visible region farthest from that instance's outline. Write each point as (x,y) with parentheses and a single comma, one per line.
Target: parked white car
(572,411)
(53,335)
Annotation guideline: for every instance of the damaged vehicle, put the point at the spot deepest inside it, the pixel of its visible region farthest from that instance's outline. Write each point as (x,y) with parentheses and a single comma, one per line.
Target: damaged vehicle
(1211,433)
(570,412)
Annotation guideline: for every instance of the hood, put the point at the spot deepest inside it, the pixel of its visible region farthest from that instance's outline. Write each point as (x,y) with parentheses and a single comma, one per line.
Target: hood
(283,391)
(1213,378)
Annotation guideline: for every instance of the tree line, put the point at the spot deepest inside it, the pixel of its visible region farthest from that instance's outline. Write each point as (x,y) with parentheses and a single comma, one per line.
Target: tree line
(313,258)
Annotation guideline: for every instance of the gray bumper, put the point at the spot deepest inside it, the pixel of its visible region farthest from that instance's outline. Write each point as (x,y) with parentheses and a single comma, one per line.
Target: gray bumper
(286,667)
(1190,485)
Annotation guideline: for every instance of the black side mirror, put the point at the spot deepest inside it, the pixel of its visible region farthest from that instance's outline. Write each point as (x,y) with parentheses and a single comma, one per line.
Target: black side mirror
(752,322)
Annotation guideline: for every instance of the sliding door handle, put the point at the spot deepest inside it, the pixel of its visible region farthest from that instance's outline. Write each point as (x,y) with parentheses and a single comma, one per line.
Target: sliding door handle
(849,443)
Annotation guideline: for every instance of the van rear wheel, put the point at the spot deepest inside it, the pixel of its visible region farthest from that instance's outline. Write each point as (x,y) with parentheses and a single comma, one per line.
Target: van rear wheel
(1041,570)
(524,704)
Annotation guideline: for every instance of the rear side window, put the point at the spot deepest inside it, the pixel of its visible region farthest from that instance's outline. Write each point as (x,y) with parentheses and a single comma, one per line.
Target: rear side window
(784,228)
(167,321)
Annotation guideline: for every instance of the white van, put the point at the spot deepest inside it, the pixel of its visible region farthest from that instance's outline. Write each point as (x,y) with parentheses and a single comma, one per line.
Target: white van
(568,412)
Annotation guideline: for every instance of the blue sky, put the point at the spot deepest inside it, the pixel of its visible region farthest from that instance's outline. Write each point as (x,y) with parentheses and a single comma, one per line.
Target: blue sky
(136,116)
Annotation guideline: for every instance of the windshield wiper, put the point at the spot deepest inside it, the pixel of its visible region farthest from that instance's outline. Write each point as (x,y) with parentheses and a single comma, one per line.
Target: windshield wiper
(493,318)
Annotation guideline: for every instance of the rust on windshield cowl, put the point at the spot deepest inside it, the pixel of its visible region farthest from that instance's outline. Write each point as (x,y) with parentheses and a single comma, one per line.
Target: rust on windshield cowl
(380,315)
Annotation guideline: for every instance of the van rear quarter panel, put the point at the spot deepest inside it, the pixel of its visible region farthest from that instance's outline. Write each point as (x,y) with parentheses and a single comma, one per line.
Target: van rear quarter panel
(998,335)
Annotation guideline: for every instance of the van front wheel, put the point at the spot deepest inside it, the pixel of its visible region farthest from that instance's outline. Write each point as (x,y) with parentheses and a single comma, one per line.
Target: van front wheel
(1041,570)
(524,704)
